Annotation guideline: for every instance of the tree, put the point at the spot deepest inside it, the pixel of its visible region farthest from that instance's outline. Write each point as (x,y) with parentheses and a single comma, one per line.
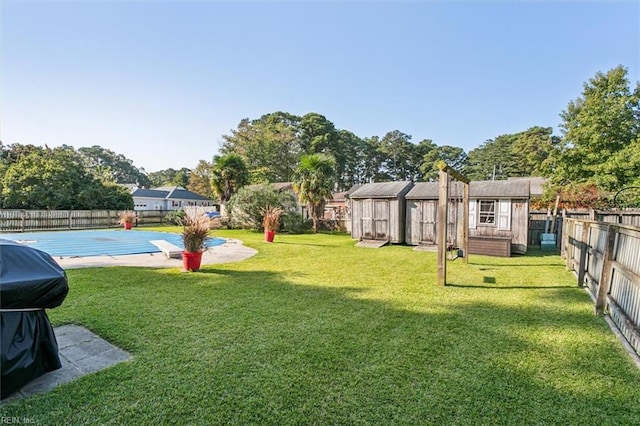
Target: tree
(200,180)
(45,178)
(228,174)
(170,177)
(317,134)
(108,166)
(313,181)
(493,160)
(181,178)
(601,130)
(536,151)
(269,146)
(245,208)
(533,152)
(453,156)
(353,169)
(399,152)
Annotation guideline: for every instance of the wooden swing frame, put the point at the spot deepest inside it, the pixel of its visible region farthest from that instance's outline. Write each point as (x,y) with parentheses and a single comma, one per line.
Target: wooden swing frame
(443,207)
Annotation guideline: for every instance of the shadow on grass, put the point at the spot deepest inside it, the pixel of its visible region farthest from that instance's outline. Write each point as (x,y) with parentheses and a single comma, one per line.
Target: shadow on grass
(302,244)
(508,287)
(508,265)
(241,347)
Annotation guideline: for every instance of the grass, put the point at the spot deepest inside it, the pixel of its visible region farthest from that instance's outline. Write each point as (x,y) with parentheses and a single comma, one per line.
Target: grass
(313,330)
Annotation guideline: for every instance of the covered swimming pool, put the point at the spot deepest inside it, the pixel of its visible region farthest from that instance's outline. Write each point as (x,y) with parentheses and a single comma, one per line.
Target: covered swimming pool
(98,242)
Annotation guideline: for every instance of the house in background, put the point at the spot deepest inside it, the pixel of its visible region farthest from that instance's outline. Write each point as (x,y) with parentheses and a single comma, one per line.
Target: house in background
(335,208)
(536,185)
(168,198)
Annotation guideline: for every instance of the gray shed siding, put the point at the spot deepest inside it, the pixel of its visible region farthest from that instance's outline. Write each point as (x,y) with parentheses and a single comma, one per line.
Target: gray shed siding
(421,219)
(511,215)
(377,211)
(518,227)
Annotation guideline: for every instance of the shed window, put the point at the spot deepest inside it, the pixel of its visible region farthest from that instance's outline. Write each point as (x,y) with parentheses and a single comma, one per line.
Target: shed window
(488,212)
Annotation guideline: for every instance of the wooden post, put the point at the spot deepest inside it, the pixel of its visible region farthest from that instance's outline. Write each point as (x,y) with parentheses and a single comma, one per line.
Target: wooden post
(565,239)
(607,271)
(584,248)
(555,215)
(465,223)
(443,203)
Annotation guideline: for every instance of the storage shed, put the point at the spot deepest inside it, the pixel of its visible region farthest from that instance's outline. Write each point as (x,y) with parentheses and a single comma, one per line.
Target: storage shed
(498,216)
(422,213)
(378,211)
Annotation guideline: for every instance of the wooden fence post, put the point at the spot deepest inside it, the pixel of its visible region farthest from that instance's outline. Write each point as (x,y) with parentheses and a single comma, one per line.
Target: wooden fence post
(571,226)
(564,240)
(465,223)
(607,271)
(584,248)
(443,203)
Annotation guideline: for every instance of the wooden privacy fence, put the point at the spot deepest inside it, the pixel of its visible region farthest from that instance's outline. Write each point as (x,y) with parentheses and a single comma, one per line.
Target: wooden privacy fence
(538,220)
(606,258)
(57,220)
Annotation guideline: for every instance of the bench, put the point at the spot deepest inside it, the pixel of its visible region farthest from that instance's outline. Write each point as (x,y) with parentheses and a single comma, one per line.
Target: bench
(548,242)
(169,250)
(490,246)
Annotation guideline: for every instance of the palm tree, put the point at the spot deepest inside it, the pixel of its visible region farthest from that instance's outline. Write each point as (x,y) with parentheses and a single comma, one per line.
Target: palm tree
(313,181)
(228,174)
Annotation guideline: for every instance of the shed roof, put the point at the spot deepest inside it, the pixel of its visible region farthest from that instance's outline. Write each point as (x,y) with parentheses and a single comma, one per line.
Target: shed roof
(477,189)
(382,190)
(499,189)
(431,190)
(339,196)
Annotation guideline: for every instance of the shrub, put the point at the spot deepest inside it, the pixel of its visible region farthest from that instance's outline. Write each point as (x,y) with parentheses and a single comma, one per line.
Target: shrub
(245,209)
(294,223)
(175,217)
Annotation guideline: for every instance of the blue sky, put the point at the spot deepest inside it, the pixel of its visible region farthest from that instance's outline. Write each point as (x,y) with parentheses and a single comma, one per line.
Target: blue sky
(161,82)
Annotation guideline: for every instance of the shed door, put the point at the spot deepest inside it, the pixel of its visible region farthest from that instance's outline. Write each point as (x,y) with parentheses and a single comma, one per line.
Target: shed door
(381,219)
(428,224)
(367,219)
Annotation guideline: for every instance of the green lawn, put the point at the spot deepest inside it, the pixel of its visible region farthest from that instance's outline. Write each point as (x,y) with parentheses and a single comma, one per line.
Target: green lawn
(313,330)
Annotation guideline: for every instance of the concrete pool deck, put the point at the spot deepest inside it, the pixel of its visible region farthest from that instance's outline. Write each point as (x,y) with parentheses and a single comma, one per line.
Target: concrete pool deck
(231,251)
(81,352)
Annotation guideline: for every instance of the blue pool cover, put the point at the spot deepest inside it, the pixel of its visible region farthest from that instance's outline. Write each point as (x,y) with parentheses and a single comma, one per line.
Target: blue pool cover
(98,242)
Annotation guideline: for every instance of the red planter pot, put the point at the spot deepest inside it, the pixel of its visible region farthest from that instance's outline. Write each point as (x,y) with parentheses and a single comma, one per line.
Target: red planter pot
(127,225)
(269,236)
(191,261)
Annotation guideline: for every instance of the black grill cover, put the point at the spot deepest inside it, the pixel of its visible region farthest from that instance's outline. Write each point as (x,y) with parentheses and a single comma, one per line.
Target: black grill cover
(30,281)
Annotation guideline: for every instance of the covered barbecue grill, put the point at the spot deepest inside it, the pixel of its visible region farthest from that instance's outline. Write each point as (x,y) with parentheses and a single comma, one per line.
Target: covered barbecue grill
(30,282)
